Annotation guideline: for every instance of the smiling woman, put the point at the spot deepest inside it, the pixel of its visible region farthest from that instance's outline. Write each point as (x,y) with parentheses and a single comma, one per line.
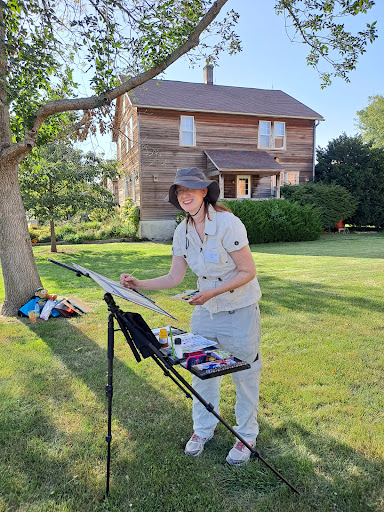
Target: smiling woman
(214,244)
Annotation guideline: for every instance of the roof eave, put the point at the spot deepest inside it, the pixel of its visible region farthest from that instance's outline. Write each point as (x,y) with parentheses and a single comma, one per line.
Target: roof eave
(251,114)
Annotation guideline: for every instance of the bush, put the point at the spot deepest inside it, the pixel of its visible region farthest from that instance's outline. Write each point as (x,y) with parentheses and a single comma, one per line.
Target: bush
(276,220)
(180,217)
(331,202)
(74,238)
(131,212)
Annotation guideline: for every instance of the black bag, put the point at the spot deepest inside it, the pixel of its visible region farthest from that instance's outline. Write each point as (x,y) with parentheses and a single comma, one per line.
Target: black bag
(140,333)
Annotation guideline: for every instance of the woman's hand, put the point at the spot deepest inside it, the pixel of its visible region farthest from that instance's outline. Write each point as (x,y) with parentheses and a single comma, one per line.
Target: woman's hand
(202,297)
(129,281)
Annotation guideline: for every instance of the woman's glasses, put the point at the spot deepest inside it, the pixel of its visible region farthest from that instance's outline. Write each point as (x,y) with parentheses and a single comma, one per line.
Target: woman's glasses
(181,191)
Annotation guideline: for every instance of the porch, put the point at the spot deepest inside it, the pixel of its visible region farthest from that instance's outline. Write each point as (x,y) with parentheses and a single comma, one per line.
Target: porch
(244,174)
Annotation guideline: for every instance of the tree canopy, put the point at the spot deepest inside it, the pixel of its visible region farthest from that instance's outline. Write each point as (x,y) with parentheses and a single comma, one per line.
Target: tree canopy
(371,121)
(58,182)
(356,166)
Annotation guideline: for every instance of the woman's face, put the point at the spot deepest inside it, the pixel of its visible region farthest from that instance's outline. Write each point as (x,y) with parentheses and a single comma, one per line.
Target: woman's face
(190,199)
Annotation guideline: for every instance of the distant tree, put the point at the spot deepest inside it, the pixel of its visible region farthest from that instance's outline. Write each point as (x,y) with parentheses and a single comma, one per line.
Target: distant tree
(58,181)
(371,121)
(330,201)
(355,165)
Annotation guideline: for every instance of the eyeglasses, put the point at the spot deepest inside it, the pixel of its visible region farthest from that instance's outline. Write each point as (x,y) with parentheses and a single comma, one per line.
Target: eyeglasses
(181,191)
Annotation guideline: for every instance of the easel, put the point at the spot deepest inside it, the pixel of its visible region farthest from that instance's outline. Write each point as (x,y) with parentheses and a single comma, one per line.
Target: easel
(141,339)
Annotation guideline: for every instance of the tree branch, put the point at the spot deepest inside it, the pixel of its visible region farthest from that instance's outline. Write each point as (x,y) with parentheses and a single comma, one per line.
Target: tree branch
(92,102)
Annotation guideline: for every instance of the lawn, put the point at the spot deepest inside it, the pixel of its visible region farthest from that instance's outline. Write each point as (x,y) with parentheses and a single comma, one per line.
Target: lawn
(321,405)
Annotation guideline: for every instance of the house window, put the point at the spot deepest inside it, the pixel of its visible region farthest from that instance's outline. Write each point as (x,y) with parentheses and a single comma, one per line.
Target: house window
(134,185)
(187,131)
(279,134)
(265,134)
(291,178)
(126,139)
(119,146)
(125,183)
(271,135)
(130,135)
(115,188)
(243,187)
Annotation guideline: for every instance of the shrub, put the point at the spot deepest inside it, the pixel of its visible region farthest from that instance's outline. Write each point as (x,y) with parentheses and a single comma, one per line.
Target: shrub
(102,215)
(74,238)
(276,220)
(331,202)
(131,212)
(63,230)
(180,217)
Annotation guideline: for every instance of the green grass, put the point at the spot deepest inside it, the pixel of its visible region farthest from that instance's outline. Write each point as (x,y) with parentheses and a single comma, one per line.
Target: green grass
(321,407)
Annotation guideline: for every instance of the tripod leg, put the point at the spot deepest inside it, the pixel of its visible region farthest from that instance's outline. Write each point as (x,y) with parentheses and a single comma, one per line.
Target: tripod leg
(109,394)
(183,384)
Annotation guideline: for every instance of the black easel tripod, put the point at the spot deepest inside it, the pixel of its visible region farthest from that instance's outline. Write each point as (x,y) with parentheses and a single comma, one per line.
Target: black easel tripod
(140,338)
(140,335)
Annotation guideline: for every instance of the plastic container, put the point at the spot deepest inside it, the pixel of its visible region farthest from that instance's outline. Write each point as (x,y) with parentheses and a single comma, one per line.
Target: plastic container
(32,316)
(178,348)
(163,338)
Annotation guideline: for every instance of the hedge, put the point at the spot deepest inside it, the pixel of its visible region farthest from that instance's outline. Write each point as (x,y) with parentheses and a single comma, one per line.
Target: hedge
(332,202)
(276,220)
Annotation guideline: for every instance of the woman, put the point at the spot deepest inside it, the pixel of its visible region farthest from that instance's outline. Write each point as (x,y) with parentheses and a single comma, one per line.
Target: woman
(213,243)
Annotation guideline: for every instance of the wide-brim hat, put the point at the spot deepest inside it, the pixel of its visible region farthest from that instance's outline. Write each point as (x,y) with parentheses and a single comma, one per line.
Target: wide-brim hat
(194,178)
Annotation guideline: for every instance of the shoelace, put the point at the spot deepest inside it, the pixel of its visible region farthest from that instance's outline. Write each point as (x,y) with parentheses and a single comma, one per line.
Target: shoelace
(239,446)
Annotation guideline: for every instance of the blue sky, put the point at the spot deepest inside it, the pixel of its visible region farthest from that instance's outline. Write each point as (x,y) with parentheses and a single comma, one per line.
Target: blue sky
(269,60)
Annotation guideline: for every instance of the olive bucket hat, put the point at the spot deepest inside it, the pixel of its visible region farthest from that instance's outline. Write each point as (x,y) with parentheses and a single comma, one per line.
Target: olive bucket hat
(194,178)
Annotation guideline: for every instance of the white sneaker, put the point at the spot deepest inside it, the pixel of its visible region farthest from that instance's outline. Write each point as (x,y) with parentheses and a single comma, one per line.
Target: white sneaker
(196,445)
(239,454)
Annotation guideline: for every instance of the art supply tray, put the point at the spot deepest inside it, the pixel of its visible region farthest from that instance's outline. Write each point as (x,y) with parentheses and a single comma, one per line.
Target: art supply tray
(210,369)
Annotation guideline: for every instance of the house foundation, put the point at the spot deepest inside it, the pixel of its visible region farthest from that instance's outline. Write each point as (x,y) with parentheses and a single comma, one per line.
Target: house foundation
(161,230)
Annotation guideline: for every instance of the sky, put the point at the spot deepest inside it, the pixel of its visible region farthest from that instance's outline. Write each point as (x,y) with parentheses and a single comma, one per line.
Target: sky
(269,60)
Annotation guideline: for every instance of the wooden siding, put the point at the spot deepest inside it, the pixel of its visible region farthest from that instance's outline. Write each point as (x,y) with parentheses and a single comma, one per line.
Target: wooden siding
(157,151)
(129,185)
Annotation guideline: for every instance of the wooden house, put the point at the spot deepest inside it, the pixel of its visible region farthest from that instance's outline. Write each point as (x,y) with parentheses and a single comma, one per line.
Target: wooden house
(249,140)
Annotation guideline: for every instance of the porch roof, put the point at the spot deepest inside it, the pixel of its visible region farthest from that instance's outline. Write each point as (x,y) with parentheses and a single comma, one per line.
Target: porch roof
(239,161)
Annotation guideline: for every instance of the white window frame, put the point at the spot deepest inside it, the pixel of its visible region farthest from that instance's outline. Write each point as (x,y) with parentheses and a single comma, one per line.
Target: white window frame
(241,177)
(126,139)
(265,123)
(285,178)
(187,131)
(272,136)
(130,132)
(133,177)
(119,146)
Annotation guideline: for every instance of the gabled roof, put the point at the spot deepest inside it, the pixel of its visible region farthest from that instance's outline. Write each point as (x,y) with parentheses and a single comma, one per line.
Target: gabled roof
(201,97)
(240,160)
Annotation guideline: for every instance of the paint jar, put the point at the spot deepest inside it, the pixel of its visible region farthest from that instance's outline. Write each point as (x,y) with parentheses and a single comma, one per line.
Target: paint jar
(163,338)
(178,348)
(32,316)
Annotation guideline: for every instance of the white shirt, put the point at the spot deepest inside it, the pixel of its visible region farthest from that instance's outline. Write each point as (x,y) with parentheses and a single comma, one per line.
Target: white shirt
(211,261)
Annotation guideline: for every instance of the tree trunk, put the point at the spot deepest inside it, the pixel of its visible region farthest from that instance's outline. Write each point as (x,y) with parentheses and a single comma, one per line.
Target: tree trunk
(21,277)
(53,236)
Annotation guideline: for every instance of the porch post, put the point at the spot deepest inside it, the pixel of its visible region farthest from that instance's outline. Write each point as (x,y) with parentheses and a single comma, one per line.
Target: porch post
(221,185)
(278,186)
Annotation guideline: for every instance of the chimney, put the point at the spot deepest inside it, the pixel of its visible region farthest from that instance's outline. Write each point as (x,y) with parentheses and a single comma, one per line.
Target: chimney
(208,74)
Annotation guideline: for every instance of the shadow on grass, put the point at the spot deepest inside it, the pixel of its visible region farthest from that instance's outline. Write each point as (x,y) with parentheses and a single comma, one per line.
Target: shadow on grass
(52,464)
